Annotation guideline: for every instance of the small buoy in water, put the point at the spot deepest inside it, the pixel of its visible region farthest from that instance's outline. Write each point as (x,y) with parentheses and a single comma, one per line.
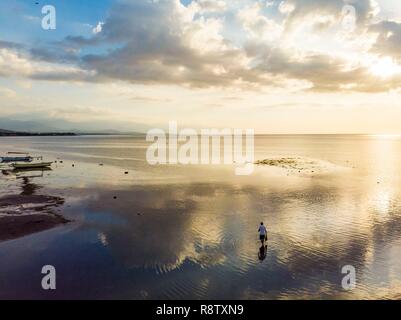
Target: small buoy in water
(100,164)
(126,172)
(114,197)
(73,165)
(61,161)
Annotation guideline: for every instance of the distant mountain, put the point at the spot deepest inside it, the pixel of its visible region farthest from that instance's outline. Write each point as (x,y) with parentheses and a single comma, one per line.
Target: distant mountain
(8,133)
(59,125)
(5,131)
(25,126)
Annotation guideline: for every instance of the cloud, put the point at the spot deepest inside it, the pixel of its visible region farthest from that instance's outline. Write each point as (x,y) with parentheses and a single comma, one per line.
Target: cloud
(388,41)
(8,93)
(203,6)
(323,72)
(98,28)
(79,112)
(15,63)
(286,7)
(191,49)
(150,99)
(10,45)
(165,42)
(302,10)
(257,25)
(54,54)
(154,48)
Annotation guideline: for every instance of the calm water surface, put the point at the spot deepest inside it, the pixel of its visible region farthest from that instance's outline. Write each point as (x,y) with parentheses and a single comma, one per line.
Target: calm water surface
(190,232)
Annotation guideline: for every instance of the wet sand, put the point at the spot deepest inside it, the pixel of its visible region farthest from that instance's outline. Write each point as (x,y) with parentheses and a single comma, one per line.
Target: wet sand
(301,165)
(14,227)
(26,213)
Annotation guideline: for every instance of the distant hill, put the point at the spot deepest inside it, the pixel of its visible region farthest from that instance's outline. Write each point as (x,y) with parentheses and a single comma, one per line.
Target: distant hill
(81,128)
(9,133)
(5,131)
(25,126)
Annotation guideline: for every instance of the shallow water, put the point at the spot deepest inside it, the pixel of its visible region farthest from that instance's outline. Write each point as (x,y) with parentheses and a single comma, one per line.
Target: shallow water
(190,232)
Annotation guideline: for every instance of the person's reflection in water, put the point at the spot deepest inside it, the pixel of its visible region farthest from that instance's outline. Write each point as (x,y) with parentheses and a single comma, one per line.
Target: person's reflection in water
(262,252)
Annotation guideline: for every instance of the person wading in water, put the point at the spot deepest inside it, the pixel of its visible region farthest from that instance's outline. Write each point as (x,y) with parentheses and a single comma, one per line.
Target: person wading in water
(262,233)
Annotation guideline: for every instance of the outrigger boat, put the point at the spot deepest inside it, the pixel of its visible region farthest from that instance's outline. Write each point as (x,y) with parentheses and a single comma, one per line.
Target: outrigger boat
(24,158)
(32,165)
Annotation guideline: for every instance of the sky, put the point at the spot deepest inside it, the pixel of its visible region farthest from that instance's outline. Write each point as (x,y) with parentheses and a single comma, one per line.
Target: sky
(279,67)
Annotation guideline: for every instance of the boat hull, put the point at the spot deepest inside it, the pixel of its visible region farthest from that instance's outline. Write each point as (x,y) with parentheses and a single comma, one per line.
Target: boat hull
(31,165)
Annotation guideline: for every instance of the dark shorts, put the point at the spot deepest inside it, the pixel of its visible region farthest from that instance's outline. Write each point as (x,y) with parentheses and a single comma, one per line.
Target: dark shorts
(262,237)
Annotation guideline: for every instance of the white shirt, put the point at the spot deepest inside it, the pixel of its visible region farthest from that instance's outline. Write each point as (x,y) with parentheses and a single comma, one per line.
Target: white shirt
(262,230)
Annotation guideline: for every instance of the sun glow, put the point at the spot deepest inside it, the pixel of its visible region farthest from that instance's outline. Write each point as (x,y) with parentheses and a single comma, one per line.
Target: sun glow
(385,68)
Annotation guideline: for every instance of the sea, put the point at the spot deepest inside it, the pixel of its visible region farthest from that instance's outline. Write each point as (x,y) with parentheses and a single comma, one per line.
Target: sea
(331,205)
